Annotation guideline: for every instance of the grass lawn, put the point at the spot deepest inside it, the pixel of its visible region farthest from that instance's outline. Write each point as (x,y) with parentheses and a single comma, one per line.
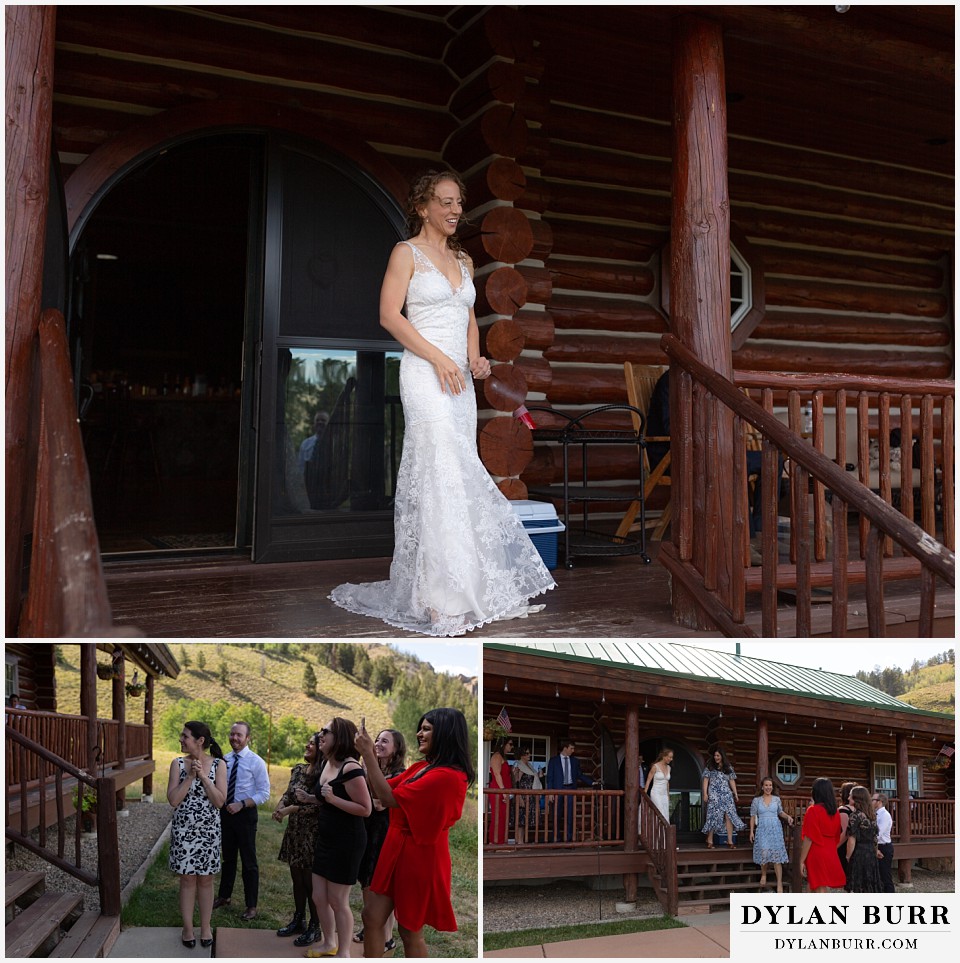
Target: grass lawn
(559,934)
(155,901)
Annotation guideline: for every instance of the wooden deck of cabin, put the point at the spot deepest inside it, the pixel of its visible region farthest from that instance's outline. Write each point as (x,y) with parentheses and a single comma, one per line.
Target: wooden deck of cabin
(599,598)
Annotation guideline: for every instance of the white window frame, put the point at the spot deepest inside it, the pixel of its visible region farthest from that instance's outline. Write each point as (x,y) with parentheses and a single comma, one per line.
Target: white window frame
(12,674)
(739,267)
(914,780)
(779,777)
(885,778)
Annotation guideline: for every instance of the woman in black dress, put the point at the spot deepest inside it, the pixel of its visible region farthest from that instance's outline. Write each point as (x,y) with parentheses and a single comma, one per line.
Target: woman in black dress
(845,810)
(863,870)
(391,750)
(299,842)
(341,836)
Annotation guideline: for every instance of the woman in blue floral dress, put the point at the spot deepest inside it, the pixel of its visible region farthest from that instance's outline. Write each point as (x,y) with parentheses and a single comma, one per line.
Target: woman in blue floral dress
(720,798)
(766,833)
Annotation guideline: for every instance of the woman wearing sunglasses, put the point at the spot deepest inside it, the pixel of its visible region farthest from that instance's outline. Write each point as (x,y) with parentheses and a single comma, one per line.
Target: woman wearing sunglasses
(412,878)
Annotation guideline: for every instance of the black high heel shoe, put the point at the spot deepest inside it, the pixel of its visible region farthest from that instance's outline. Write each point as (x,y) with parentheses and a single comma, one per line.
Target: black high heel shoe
(206,943)
(189,944)
(312,934)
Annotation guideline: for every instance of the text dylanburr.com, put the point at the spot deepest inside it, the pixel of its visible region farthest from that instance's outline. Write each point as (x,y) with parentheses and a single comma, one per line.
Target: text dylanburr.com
(812,924)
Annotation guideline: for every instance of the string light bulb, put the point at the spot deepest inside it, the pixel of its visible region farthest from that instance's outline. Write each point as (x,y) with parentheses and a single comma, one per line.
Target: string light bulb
(506,685)
(604,698)
(556,691)
(684,706)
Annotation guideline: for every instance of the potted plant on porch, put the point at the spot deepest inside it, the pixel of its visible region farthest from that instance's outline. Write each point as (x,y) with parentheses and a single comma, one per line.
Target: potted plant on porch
(135,688)
(86,809)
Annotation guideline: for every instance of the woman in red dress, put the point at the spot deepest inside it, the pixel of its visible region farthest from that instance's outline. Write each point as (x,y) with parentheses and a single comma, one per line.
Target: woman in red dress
(498,810)
(819,862)
(412,878)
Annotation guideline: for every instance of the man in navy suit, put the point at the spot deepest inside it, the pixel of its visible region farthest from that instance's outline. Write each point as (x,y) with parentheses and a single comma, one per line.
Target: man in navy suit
(564,772)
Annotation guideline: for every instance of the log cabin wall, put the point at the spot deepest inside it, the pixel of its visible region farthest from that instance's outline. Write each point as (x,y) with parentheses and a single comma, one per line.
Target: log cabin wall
(36,674)
(560,125)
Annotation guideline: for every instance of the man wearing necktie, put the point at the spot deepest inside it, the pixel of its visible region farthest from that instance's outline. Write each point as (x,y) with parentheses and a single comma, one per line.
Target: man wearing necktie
(563,772)
(248,786)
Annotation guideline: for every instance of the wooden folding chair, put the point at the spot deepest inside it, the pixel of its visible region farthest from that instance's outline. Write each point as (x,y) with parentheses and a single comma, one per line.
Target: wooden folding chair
(641,380)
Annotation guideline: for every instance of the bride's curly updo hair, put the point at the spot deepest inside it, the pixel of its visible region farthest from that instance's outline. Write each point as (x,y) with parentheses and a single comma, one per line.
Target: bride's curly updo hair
(422,190)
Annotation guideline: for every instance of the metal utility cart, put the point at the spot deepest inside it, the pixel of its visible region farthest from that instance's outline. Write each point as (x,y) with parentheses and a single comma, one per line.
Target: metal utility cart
(588,430)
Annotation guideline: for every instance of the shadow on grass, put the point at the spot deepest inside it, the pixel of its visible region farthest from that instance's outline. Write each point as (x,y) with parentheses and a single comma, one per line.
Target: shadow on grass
(583,931)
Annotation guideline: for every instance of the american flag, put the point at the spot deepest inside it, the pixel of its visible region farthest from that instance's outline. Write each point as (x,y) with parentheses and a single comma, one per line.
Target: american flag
(946,751)
(504,720)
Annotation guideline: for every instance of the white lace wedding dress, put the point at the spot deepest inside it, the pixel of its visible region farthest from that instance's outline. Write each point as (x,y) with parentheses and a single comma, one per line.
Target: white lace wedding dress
(461,556)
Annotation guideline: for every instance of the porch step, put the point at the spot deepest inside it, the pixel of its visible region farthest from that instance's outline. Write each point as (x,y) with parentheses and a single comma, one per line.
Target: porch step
(20,890)
(52,924)
(38,928)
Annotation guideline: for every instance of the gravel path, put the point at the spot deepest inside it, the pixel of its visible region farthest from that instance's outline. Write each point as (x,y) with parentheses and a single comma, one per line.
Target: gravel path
(137,834)
(567,902)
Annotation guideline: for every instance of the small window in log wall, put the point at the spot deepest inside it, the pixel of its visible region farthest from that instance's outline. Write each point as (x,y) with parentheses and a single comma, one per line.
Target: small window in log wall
(913,781)
(741,292)
(12,680)
(539,747)
(885,777)
(747,294)
(787,771)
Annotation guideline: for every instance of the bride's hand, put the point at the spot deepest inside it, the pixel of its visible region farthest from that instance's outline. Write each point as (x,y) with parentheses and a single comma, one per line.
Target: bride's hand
(480,368)
(449,374)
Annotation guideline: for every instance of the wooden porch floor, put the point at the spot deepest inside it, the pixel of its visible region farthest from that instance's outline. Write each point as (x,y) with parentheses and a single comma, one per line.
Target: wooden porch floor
(231,597)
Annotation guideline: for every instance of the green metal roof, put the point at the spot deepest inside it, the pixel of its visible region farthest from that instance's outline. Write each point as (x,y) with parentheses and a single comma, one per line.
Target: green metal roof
(695,663)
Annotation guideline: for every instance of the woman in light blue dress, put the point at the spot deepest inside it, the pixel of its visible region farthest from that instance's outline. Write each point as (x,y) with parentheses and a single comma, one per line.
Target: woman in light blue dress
(766,833)
(720,798)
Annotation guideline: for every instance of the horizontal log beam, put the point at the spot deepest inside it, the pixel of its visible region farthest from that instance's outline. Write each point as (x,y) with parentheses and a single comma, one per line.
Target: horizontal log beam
(502,291)
(862,269)
(502,179)
(539,330)
(581,239)
(853,361)
(231,46)
(605,314)
(500,130)
(604,349)
(602,279)
(844,329)
(784,292)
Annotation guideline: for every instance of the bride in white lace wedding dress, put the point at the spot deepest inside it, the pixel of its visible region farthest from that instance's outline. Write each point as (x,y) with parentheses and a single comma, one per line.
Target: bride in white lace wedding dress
(461,555)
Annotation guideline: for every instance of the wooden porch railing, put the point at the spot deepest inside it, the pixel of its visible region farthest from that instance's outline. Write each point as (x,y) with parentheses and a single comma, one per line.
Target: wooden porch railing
(51,769)
(659,838)
(66,737)
(538,818)
(882,522)
(67,595)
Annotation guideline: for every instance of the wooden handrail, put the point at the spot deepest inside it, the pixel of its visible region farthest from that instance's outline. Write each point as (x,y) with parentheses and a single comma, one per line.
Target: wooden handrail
(935,559)
(107,875)
(67,594)
(659,838)
(538,814)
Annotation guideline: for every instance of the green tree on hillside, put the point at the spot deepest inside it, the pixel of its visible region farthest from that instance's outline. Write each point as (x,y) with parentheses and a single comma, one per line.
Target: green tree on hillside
(347,657)
(224,674)
(309,680)
(184,658)
(201,661)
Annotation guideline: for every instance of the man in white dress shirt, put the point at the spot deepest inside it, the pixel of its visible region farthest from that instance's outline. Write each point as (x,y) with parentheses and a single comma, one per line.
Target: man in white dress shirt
(884,825)
(248,786)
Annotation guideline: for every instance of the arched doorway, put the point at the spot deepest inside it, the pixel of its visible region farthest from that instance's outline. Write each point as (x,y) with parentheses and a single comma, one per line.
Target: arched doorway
(686,803)
(224,292)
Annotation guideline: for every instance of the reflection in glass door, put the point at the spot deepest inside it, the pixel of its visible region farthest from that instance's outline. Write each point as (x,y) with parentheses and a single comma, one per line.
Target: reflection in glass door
(340,431)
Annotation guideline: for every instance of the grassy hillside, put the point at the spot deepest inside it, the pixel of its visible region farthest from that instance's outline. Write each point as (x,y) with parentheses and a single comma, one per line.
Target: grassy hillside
(267,679)
(933,689)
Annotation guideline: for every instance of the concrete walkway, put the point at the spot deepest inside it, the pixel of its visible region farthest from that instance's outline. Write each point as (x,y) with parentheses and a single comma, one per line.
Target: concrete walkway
(704,937)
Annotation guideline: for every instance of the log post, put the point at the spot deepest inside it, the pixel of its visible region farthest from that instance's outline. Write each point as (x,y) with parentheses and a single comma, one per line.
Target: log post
(631,794)
(29,45)
(903,803)
(119,694)
(148,698)
(700,290)
(763,752)
(88,702)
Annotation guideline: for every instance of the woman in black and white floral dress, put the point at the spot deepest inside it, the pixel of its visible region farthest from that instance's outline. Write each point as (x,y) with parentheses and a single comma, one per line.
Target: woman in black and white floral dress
(196,788)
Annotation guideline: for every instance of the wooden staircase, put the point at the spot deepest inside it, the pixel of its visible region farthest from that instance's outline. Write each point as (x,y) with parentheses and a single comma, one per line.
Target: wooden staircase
(45,924)
(706,878)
